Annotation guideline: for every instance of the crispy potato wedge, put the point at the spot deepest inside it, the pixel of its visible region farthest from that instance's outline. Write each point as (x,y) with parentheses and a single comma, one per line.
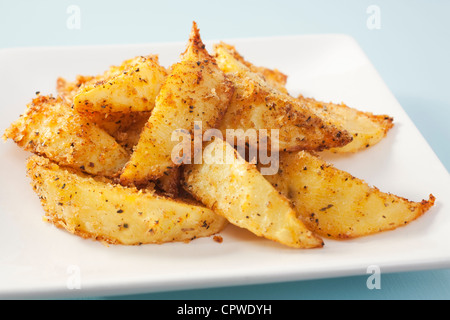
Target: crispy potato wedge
(69,89)
(50,127)
(366,128)
(196,90)
(125,127)
(234,188)
(274,77)
(334,204)
(133,90)
(258,105)
(97,209)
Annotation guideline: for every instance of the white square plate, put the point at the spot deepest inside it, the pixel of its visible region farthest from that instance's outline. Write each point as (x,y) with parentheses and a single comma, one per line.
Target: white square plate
(39,260)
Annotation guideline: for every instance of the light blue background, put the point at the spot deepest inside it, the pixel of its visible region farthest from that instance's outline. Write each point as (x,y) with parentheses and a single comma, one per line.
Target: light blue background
(411,51)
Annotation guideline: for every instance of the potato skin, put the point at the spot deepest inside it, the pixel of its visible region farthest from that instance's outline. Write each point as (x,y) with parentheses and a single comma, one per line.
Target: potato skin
(236,190)
(52,128)
(97,209)
(366,128)
(256,104)
(334,204)
(195,90)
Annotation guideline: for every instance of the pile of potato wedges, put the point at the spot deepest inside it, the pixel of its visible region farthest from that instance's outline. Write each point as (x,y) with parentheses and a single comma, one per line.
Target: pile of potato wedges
(102,155)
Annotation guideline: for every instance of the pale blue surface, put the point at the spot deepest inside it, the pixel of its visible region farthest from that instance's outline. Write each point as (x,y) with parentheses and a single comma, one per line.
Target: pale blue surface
(411,51)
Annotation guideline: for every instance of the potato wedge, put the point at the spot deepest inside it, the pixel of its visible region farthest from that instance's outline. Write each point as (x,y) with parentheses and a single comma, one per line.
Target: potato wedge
(196,90)
(234,188)
(50,127)
(125,127)
(97,209)
(366,128)
(274,77)
(133,90)
(257,105)
(69,89)
(334,204)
